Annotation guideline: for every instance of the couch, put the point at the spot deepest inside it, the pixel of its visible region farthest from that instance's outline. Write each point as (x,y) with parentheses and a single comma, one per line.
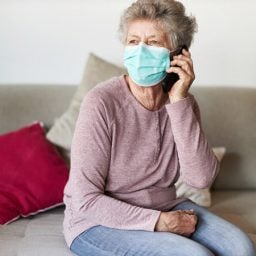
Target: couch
(228,116)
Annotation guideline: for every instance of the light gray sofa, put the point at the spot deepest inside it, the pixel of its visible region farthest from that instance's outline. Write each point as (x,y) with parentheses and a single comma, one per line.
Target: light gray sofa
(229,119)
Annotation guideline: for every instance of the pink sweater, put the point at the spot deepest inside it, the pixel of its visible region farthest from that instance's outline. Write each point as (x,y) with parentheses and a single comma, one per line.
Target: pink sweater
(125,160)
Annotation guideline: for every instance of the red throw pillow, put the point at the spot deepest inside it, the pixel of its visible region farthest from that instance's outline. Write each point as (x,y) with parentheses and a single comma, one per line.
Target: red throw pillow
(32,173)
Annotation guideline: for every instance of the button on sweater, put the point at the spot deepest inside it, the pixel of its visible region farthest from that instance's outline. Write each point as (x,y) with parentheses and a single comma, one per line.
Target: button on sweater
(125,160)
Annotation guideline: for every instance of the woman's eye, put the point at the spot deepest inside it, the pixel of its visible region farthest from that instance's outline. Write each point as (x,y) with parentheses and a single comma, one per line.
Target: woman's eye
(133,42)
(156,43)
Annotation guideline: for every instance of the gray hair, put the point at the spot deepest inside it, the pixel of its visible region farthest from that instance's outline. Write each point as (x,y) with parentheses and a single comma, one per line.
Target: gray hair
(169,14)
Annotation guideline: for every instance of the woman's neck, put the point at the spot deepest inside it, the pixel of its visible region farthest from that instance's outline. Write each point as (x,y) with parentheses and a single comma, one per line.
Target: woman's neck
(152,98)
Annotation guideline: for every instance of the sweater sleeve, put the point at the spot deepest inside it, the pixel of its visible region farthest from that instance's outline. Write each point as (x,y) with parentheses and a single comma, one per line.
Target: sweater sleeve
(90,159)
(198,164)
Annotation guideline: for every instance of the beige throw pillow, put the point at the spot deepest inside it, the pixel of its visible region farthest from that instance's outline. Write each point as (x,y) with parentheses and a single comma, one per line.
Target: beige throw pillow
(96,70)
(200,196)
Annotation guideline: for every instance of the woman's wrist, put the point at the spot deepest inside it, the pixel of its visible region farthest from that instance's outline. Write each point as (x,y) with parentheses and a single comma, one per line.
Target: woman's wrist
(174,99)
(160,224)
(179,96)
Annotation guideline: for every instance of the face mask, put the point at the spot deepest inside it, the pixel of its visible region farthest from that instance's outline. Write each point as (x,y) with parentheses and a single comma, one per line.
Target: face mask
(146,65)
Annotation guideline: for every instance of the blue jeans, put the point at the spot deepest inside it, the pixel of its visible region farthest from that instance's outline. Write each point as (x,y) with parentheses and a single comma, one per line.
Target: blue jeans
(213,236)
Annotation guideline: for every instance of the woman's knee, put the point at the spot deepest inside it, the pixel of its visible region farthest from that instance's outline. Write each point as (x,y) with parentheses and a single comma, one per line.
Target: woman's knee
(240,244)
(232,241)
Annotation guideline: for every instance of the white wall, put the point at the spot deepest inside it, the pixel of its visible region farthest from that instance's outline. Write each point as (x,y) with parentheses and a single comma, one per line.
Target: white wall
(47,41)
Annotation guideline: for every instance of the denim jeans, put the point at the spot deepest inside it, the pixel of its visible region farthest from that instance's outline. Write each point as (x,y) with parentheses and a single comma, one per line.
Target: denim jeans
(213,236)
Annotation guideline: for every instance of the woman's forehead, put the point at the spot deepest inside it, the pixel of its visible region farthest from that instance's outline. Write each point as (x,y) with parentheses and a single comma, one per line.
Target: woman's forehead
(145,28)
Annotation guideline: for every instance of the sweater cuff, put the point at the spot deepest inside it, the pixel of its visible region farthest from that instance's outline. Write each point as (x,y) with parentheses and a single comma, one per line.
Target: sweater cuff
(154,218)
(179,110)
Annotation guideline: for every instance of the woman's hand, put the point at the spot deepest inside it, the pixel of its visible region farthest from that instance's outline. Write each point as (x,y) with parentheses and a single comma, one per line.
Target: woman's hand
(181,222)
(186,73)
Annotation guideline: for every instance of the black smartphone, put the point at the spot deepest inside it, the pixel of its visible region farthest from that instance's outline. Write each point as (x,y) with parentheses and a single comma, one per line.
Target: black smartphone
(172,78)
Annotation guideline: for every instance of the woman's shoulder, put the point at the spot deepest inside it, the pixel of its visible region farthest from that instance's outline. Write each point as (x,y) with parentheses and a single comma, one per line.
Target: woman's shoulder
(107,95)
(107,90)
(107,87)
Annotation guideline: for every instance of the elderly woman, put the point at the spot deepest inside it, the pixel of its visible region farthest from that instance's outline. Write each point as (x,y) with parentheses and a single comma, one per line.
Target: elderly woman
(133,140)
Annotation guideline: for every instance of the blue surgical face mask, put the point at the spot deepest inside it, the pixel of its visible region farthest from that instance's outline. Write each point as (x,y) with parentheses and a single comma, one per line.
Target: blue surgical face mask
(146,65)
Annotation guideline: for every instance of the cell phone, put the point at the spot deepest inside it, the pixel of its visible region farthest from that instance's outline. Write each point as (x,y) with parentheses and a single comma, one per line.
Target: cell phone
(172,78)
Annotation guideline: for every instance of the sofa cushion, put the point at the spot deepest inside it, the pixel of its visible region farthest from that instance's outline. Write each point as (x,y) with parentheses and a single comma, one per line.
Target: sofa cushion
(33,174)
(253,237)
(228,116)
(241,203)
(36,235)
(23,103)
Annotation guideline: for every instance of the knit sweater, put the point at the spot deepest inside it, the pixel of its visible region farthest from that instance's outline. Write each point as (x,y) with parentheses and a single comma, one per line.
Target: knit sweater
(125,160)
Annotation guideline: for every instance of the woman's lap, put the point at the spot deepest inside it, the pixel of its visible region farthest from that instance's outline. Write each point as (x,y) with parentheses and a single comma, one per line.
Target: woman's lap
(213,236)
(103,241)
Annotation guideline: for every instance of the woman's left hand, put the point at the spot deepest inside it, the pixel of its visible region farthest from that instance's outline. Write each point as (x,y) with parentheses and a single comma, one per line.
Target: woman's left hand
(186,73)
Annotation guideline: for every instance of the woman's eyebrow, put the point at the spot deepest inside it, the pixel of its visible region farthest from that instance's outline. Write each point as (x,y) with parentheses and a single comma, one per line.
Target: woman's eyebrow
(152,36)
(133,36)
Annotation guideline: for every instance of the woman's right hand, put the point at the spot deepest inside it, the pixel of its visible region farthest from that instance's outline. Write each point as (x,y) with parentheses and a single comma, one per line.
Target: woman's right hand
(181,222)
